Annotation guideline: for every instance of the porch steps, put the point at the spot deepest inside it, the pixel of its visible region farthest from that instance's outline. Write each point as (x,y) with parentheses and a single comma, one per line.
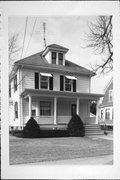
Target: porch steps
(93,129)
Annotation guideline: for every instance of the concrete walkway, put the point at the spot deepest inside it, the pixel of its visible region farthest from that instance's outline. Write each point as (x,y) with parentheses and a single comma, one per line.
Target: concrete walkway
(99,160)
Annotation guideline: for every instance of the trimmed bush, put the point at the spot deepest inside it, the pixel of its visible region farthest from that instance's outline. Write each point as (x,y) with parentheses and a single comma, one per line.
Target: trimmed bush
(76,127)
(32,129)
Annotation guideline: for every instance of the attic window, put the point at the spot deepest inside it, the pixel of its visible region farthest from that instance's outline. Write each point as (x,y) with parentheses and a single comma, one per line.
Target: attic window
(60,58)
(54,56)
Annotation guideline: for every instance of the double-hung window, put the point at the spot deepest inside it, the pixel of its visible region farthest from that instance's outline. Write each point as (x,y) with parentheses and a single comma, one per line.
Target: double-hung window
(54,57)
(44,82)
(45,108)
(107,114)
(68,84)
(60,58)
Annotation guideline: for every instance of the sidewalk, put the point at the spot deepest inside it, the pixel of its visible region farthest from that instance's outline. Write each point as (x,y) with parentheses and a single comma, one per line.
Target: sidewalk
(99,160)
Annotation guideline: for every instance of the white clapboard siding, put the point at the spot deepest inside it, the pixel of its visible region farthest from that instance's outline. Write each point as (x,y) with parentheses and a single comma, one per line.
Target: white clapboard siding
(83,84)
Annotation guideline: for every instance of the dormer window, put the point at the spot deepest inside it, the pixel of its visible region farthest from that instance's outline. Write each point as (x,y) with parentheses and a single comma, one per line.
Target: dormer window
(60,58)
(54,57)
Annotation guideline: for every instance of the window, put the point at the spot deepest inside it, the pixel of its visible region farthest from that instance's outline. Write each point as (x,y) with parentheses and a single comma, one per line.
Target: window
(33,112)
(68,84)
(107,114)
(110,95)
(45,108)
(101,114)
(16,110)
(54,56)
(15,83)
(44,82)
(60,58)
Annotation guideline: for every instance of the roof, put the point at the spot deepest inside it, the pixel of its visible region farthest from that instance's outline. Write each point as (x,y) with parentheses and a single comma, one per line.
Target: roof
(38,61)
(57,46)
(36,92)
(105,102)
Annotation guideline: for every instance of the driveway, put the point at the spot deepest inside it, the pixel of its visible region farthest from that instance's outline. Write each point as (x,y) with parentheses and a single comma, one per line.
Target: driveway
(25,151)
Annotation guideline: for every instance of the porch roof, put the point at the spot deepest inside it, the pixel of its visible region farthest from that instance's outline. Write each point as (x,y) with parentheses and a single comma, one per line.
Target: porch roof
(51,93)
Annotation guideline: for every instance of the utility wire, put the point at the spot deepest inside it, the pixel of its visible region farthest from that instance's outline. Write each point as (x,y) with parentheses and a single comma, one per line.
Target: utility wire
(24,36)
(31,35)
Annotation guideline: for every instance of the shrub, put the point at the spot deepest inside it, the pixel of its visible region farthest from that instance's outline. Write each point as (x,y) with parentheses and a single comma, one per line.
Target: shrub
(32,129)
(76,127)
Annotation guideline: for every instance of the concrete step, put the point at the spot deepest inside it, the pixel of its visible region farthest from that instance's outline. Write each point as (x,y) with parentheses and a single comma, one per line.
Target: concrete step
(93,129)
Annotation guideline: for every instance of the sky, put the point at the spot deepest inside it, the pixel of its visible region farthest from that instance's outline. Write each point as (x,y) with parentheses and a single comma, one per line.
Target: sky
(67,31)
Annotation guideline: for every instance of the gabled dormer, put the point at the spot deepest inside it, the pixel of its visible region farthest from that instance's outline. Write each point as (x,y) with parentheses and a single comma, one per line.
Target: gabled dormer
(55,54)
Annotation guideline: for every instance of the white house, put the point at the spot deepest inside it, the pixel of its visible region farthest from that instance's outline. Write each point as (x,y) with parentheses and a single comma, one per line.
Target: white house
(50,88)
(106,105)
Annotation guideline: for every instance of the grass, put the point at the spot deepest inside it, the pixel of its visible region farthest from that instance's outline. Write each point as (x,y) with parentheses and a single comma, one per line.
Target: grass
(24,151)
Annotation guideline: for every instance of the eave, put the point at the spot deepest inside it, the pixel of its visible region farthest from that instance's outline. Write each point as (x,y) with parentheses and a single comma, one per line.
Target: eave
(59,94)
(62,70)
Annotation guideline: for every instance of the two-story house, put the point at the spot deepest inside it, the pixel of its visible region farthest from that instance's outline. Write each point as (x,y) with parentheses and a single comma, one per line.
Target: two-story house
(106,105)
(50,88)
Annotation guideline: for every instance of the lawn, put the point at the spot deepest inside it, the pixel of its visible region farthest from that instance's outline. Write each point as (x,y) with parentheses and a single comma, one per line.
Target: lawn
(50,149)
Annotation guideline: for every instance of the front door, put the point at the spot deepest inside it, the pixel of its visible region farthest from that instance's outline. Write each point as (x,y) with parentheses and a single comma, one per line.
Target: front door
(73,109)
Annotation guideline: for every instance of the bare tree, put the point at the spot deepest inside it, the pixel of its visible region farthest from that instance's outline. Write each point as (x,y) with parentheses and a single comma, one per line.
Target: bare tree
(13,48)
(100,38)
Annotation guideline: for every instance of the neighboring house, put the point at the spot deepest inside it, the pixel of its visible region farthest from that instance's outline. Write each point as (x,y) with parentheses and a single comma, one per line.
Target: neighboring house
(50,88)
(106,105)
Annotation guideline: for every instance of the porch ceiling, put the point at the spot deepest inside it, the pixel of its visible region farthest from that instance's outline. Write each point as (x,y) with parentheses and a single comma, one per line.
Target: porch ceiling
(48,93)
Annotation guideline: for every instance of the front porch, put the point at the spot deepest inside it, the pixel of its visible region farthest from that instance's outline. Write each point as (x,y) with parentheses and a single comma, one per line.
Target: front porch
(56,108)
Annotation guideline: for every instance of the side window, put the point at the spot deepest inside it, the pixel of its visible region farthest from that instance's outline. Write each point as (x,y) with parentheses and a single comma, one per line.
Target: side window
(16,110)
(15,83)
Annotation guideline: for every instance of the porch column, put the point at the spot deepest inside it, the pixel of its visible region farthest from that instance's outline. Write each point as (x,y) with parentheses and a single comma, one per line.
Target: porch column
(55,110)
(97,111)
(78,106)
(30,106)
